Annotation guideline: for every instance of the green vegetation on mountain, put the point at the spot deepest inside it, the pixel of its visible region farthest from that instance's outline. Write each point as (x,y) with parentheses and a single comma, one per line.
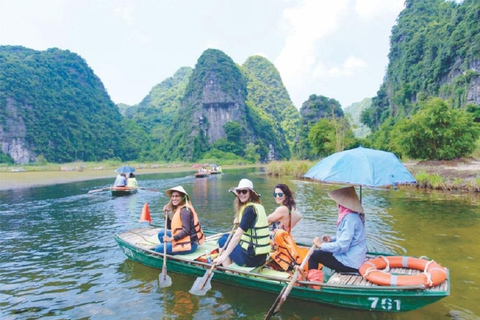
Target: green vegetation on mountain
(217,90)
(435,52)
(155,113)
(354,113)
(54,108)
(52,105)
(324,112)
(267,92)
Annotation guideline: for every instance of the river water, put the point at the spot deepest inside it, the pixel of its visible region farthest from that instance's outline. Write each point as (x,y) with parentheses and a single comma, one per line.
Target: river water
(59,260)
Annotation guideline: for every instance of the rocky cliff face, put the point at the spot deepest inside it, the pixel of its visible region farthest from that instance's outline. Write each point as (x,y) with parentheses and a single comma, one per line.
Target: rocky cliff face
(217,109)
(473,95)
(13,134)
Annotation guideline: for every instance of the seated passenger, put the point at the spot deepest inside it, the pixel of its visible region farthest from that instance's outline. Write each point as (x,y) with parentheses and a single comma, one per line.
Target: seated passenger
(250,245)
(185,233)
(120,181)
(286,216)
(132,181)
(345,252)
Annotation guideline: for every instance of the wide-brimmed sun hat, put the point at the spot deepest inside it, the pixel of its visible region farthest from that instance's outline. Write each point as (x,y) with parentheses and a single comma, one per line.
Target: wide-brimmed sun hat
(348,198)
(244,184)
(178,189)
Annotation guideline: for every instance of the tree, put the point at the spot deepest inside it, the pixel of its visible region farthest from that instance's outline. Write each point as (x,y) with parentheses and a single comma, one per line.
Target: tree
(438,132)
(331,135)
(251,153)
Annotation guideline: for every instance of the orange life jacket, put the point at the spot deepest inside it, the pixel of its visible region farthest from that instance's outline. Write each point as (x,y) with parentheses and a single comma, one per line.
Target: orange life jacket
(184,244)
(288,254)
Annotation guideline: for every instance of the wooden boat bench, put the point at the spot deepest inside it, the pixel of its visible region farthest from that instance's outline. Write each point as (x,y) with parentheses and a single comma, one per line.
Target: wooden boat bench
(357,279)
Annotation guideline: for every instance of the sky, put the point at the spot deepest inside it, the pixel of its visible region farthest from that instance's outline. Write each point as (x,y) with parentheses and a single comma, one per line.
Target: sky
(335,48)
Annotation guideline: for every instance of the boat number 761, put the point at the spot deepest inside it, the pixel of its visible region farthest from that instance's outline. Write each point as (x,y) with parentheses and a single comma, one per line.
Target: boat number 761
(384,303)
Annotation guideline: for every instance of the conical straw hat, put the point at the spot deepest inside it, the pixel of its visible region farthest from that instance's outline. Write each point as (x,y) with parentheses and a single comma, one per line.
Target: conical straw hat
(178,189)
(348,198)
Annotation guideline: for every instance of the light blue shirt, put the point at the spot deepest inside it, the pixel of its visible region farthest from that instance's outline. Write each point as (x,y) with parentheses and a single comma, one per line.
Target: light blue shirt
(349,246)
(120,181)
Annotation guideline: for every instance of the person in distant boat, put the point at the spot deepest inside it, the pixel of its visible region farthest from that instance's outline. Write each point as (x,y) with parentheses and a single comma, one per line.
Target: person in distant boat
(250,244)
(286,216)
(120,181)
(345,252)
(132,181)
(185,233)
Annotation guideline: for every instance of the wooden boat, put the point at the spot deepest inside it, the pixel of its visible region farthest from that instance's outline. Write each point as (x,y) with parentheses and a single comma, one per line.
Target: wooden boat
(342,290)
(123,191)
(201,175)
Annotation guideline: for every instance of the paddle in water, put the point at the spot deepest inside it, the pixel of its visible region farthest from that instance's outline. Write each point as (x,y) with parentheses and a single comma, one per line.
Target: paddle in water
(163,279)
(99,190)
(286,290)
(149,189)
(202,285)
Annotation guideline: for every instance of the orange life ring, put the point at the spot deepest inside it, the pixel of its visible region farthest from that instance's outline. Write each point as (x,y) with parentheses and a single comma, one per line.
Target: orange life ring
(376,271)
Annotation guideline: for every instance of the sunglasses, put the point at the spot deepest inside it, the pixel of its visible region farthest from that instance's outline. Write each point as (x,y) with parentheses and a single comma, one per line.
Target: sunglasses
(280,194)
(244,191)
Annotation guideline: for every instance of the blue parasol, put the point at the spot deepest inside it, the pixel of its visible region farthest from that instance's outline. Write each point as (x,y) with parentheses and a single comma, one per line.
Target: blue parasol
(361,167)
(125,169)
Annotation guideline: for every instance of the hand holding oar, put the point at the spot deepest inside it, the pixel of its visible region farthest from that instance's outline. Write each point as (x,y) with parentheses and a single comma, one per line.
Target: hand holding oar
(202,285)
(99,190)
(164,279)
(286,290)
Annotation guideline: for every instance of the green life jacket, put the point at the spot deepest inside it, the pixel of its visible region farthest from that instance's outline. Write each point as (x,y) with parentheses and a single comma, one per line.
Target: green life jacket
(258,236)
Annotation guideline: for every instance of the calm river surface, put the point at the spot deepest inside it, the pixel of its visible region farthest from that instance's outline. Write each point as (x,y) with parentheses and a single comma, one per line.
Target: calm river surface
(59,260)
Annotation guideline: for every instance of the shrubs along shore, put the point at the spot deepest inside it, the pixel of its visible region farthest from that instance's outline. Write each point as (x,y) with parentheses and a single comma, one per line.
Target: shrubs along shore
(454,175)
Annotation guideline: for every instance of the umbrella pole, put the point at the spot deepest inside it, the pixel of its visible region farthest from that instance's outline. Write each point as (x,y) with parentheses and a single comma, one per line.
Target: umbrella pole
(360,194)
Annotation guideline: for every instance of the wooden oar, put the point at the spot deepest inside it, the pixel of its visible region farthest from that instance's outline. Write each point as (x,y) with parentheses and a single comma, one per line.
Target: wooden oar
(99,190)
(149,189)
(286,290)
(202,285)
(163,279)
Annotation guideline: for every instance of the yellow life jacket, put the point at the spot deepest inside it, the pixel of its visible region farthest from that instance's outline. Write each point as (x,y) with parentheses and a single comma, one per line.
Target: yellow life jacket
(258,236)
(184,244)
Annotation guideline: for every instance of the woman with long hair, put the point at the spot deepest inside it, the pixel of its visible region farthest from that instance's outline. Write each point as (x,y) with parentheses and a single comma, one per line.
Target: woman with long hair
(185,233)
(250,243)
(286,216)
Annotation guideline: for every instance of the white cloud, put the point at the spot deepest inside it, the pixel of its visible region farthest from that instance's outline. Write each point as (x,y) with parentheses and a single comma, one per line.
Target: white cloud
(125,13)
(305,25)
(350,67)
(368,9)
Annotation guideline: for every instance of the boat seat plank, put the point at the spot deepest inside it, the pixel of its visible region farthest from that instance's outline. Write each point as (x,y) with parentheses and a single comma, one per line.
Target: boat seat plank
(349,279)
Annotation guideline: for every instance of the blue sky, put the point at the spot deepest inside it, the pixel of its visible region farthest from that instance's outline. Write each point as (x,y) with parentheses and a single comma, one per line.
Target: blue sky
(335,48)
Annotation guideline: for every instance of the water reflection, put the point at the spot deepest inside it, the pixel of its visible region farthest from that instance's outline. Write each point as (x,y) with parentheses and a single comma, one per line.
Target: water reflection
(59,259)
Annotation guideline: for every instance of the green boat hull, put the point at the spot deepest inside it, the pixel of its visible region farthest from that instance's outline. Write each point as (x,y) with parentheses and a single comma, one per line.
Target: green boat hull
(123,192)
(373,298)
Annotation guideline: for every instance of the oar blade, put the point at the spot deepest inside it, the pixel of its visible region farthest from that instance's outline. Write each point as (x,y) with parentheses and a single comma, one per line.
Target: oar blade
(98,190)
(164,280)
(276,305)
(202,285)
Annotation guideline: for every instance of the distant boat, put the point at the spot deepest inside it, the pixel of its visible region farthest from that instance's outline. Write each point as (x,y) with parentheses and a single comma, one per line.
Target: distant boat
(201,174)
(123,191)
(344,290)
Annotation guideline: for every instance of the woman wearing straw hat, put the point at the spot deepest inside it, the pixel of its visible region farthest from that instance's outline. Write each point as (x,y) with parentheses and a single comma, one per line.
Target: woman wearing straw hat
(250,244)
(347,250)
(184,225)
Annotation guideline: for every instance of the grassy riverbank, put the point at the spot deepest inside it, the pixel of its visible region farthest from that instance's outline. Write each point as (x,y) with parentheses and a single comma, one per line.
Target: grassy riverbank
(57,174)
(460,174)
